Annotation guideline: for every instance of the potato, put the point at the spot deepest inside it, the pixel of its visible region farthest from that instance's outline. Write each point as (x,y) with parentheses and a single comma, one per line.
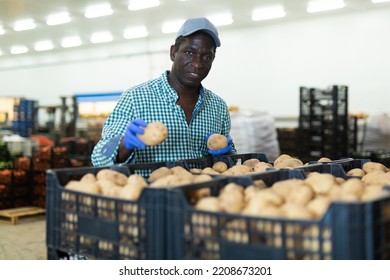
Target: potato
(217,141)
(262,166)
(105,185)
(132,192)
(201,178)
(284,187)
(181,172)
(231,201)
(154,133)
(356,172)
(136,181)
(251,162)
(196,195)
(352,186)
(210,203)
(112,175)
(289,163)
(82,187)
(89,177)
(209,170)
(300,194)
(370,166)
(159,173)
(373,192)
(324,159)
(268,195)
(220,166)
(239,170)
(295,211)
(319,205)
(377,178)
(282,158)
(321,183)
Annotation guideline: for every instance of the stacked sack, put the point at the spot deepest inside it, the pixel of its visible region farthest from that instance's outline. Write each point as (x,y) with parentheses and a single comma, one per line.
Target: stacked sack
(254,132)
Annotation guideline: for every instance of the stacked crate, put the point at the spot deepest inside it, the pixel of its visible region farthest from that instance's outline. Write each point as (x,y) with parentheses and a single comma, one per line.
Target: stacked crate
(15,187)
(287,141)
(324,125)
(25,120)
(44,158)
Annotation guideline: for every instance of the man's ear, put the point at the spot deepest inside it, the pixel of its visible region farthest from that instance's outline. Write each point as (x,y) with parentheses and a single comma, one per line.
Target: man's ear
(172,52)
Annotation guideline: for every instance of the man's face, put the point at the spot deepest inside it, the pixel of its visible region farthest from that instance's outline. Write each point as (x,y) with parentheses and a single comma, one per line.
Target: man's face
(193,59)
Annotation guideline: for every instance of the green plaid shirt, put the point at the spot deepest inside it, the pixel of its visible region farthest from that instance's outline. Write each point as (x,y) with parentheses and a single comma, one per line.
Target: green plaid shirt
(155,100)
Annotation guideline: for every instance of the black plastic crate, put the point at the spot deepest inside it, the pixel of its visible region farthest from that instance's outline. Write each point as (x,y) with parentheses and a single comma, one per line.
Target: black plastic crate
(346,231)
(100,227)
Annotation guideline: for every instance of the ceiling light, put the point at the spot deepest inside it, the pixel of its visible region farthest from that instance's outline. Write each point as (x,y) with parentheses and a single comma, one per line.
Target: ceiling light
(70,42)
(135,5)
(18,49)
(98,11)
(43,45)
(2,30)
(101,37)
(171,26)
(324,5)
(1,52)
(268,13)
(22,25)
(56,19)
(135,32)
(379,1)
(222,19)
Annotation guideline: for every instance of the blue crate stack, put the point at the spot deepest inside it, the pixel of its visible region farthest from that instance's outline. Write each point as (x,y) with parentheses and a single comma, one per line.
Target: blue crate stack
(25,120)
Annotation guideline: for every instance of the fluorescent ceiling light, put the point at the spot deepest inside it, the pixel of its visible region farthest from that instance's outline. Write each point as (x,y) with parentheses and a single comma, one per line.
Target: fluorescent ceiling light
(56,19)
(2,30)
(379,1)
(268,13)
(101,37)
(317,6)
(43,45)
(222,19)
(171,26)
(135,5)
(18,49)
(25,24)
(70,42)
(135,32)
(98,11)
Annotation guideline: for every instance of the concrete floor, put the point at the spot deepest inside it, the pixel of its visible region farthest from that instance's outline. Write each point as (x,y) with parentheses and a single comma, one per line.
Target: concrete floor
(24,241)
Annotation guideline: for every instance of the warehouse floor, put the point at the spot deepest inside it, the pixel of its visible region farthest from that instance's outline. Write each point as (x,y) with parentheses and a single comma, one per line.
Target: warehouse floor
(25,240)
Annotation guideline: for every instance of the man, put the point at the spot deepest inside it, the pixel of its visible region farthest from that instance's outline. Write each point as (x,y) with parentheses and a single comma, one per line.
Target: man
(189,111)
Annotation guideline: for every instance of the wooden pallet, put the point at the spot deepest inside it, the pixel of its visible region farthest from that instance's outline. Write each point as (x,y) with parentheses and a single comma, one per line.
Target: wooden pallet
(12,215)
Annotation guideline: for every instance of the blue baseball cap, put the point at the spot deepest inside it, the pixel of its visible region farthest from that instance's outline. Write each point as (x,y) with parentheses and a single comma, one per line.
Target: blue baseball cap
(193,25)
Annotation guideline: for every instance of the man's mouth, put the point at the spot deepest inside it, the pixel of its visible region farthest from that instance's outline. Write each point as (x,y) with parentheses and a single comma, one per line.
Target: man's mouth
(194,75)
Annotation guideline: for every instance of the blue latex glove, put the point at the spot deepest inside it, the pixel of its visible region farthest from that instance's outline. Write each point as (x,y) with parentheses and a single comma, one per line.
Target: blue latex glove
(223,150)
(130,140)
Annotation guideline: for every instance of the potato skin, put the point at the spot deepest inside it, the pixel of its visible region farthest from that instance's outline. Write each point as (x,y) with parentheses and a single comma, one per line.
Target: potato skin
(154,133)
(217,141)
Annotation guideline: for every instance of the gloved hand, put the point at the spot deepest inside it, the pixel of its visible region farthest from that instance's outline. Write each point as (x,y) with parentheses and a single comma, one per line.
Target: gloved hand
(223,150)
(130,140)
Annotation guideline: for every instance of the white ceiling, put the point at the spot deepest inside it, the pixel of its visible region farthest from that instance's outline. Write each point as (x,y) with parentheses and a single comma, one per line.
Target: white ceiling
(122,18)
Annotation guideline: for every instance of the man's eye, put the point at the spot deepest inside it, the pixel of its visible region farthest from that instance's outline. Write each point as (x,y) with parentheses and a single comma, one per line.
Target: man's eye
(189,53)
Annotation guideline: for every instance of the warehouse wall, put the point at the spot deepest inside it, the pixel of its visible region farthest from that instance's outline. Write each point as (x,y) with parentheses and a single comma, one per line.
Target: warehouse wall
(256,68)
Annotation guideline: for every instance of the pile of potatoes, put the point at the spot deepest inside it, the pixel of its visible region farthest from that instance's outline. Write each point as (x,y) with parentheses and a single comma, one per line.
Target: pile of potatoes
(109,183)
(112,183)
(294,198)
(249,166)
